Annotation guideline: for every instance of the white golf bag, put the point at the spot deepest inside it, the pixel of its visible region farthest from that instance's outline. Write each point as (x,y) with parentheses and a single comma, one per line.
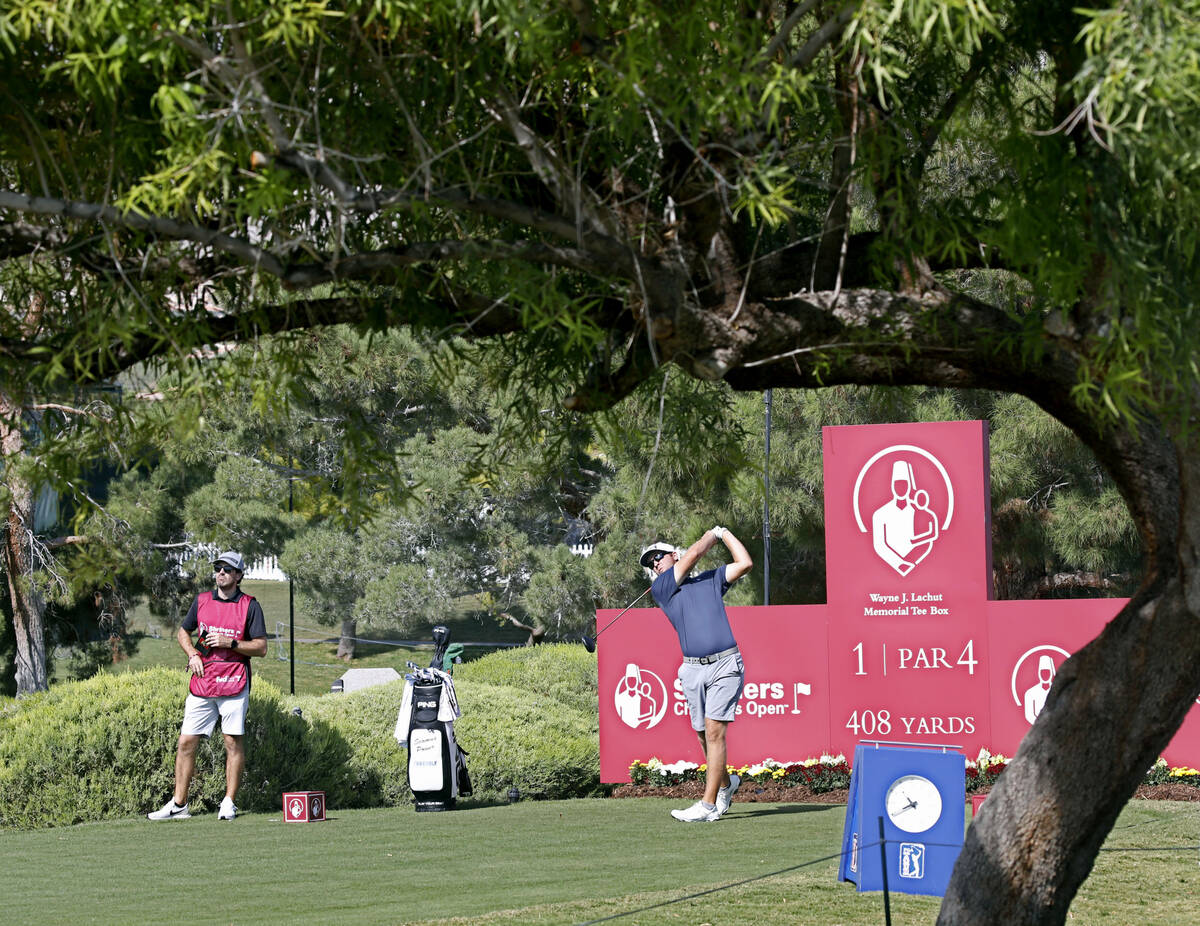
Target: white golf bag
(437,769)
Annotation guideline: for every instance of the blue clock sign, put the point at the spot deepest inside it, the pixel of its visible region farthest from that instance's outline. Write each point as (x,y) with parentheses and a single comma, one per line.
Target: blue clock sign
(921,794)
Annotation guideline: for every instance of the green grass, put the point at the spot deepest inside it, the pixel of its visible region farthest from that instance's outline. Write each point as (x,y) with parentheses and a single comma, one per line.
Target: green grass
(317,665)
(546,862)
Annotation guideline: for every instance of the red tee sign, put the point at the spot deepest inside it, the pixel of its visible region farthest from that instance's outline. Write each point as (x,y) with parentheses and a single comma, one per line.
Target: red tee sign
(909,647)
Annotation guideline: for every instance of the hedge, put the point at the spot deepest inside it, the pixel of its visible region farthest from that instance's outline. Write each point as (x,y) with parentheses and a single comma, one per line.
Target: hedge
(528,718)
(105,747)
(564,673)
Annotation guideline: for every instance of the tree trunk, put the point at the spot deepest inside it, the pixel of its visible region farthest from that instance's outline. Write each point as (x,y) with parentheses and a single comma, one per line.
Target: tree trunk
(28,607)
(1112,709)
(345,648)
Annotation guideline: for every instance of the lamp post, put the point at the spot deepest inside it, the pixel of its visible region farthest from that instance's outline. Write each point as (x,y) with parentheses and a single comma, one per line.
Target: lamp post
(767,502)
(291,600)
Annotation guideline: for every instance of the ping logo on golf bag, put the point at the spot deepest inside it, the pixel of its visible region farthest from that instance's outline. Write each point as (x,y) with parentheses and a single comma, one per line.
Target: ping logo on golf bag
(640,698)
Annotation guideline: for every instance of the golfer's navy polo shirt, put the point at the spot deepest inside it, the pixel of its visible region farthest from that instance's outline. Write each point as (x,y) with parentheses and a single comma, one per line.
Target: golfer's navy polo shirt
(696,610)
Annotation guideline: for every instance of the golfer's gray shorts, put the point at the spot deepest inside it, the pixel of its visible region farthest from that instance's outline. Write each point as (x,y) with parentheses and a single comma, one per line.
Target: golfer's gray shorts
(713,691)
(200,714)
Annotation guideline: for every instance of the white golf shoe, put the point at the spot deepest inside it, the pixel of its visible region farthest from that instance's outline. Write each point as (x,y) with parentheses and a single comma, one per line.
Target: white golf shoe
(227,811)
(725,795)
(170,811)
(697,813)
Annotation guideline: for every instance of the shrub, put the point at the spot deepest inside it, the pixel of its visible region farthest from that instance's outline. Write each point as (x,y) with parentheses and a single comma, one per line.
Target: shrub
(518,726)
(563,672)
(364,721)
(91,750)
(548,749)
(105,748)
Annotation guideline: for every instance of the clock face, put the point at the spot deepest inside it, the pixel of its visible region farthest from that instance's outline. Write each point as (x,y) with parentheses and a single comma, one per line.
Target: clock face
(913,803)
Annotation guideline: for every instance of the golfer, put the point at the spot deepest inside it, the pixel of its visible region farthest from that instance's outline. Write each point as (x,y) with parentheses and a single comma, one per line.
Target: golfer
(231,629)
(712,673)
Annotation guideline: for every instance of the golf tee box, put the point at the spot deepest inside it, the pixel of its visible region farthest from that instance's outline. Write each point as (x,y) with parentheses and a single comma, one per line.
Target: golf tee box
(303,806)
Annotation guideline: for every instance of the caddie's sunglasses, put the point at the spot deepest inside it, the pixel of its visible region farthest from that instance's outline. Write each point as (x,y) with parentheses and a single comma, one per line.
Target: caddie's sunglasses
(224,567)
(657,557)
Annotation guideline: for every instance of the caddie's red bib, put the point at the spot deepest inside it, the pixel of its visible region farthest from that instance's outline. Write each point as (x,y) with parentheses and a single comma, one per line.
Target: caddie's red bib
(226,671)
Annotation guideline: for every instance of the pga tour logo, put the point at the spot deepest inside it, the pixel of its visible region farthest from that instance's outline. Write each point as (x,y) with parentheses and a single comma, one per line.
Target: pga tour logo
(640,698)
(905,493)
(296,807)
(912,860)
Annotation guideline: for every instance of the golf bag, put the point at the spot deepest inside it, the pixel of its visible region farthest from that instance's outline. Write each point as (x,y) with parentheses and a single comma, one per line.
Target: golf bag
(437,768)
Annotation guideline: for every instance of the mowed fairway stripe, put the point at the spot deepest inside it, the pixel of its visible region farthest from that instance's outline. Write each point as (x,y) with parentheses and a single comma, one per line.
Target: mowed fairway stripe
(390,865)
(532,862)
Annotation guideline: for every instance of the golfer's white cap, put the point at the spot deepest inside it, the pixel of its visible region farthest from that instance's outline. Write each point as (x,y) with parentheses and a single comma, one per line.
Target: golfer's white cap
(656,547)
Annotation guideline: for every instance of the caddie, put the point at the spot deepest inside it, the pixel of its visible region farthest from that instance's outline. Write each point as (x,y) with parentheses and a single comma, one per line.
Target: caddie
(712,674)
(229,628)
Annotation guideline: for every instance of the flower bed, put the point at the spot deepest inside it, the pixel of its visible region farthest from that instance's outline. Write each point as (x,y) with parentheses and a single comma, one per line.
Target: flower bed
(828,778)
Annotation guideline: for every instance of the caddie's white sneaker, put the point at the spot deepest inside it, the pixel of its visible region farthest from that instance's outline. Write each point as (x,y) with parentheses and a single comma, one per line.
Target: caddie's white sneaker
(697,813)
(170,811)
(227,811)
(725,795)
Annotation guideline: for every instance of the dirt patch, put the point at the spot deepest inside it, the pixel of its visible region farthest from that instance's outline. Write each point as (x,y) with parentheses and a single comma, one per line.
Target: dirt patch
(778,794)
(1173,791)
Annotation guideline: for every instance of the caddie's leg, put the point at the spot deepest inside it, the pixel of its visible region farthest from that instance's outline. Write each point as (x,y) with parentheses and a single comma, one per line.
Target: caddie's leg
(235,759)
(185,766)
(717,776)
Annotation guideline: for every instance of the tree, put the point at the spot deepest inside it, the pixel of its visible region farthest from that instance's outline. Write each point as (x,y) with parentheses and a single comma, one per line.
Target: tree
(790,195)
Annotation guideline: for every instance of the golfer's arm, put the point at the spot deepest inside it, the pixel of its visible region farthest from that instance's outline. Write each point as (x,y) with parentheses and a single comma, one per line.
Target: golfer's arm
(692,554)
(742,563)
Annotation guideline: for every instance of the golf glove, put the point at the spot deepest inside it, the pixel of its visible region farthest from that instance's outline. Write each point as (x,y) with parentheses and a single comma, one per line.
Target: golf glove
(719,533)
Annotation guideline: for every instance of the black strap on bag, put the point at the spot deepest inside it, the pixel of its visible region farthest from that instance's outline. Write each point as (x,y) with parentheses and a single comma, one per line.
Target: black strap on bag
(464,779)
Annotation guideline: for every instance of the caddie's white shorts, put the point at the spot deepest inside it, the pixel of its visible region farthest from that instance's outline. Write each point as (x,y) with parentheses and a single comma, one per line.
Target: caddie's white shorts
(200,714)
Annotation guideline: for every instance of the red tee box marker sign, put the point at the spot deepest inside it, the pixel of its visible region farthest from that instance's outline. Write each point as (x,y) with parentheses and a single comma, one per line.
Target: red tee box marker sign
(303,806)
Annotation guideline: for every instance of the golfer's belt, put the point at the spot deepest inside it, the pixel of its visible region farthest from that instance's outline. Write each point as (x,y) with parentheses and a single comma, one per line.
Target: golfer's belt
(711,658)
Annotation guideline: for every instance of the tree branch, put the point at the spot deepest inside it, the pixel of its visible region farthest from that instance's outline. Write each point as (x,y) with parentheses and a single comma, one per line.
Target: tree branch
(779,39)
(826,34)
(167,228)
(570,194)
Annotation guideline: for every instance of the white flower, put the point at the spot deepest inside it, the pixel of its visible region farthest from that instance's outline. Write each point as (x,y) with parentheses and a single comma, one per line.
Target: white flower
(676,768)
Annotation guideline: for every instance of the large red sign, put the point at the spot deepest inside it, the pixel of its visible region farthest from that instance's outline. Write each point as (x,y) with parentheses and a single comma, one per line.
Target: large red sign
(909,646)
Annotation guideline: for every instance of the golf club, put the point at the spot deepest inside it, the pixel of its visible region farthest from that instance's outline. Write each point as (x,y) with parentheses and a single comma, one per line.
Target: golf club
(589,643)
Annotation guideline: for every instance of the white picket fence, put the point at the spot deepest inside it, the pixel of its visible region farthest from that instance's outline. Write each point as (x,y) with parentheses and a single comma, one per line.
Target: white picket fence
(265,568)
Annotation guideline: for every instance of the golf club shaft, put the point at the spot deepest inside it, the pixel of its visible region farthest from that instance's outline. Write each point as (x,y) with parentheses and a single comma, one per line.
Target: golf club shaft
(627,607)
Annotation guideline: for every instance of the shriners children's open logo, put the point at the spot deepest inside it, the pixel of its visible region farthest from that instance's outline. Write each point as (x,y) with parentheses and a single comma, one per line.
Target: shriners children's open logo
(640,698)
(910,512)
